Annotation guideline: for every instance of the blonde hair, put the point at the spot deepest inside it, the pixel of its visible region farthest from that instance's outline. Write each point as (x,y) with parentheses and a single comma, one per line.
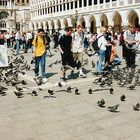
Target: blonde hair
(102,29)
(79,26)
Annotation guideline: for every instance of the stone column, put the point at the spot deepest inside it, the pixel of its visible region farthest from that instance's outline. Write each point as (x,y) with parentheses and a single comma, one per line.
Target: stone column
(50,26)
(62,23)
(39,25)
(44,25)
(55,25)
(69,22)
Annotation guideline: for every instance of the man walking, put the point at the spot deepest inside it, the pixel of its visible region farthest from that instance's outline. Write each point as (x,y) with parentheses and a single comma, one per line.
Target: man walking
(65,42)
(78,49)
(130,42)
(39,44)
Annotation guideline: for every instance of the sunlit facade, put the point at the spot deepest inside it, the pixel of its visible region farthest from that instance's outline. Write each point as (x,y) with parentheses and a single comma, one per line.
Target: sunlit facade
(54,15)
(14,15)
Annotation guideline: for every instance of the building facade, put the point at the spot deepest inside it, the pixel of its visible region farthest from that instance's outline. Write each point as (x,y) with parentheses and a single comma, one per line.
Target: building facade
(14,15)
(54,15)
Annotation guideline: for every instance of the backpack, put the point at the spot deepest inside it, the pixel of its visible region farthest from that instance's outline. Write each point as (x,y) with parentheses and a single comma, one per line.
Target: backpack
(95,44)
(121,40)
(43,40)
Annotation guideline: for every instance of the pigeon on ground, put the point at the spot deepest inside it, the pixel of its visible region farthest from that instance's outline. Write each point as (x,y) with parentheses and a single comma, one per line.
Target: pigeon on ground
(60,85)
(111,90)
(101,103)
(122,97)
(50,65)
(90,91)
(51,92)
(69,89)
(113,108)
(132,87)
(34,93)
(18,94)
(136,107)
(19,89)
(93,64)
(77,91)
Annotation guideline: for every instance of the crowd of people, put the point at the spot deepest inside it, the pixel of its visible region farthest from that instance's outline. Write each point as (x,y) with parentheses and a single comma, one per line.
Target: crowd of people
(73,45)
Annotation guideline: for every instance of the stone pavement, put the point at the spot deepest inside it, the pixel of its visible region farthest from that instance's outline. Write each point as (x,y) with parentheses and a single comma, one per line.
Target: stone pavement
(67,116)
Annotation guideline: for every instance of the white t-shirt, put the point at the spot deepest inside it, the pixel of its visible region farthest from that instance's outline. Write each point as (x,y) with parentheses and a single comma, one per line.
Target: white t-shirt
(77,42)
(102,42)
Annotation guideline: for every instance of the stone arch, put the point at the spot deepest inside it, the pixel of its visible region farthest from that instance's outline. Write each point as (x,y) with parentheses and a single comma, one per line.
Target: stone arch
(92,24)
(52,25)
(41,25)
(103,20)
(59,24)
(36,26)
(65,22)
(32,26)
(133,18)
(3,14)
(117,22)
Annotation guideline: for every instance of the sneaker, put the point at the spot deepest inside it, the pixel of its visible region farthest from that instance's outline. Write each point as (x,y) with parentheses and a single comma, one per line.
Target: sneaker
(82,75)
(44,80)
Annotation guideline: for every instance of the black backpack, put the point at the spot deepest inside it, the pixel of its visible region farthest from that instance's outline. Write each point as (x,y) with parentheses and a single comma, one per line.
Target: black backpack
(95,44)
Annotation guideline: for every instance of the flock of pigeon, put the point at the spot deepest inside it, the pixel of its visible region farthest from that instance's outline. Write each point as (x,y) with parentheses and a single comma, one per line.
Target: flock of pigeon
(125,77)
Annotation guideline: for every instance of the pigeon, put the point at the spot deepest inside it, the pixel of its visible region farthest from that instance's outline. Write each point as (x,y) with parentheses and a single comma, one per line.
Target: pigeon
(90,91)
(24,82)
(132,87)
(122,97)
(111,90)
(101,103)
(18,94)
(34,93)
(51,92)
(18,89)
(77,91)
(32,61)
(50,65)
(93,64)
(3,88)
(136,107)
(69,89)
(60,85)
(102,84)
(113,108)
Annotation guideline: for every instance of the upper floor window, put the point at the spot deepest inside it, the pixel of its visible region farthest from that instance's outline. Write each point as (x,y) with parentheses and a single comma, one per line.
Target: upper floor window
(85,3)
(101,1)
(80,3)
(67,6)
(75,4)
(90,2)
(107,0)
(64,7)
(95,2)
(71,5)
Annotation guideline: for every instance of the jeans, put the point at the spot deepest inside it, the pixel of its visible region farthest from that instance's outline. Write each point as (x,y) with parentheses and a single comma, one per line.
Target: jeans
(42,61)
(117,61)
(99,66)
(17,47)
